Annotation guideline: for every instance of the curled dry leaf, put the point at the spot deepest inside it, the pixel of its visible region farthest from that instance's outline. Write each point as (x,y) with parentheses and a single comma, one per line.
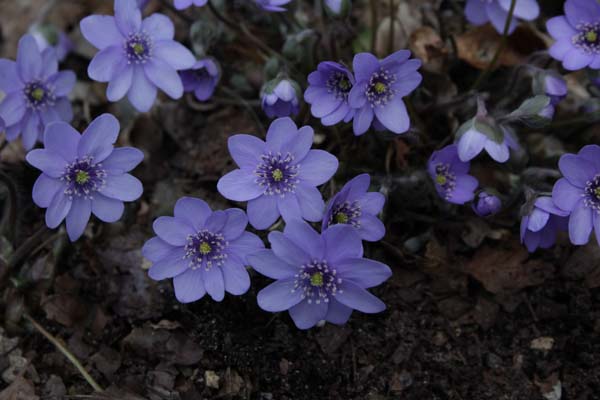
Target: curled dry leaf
(478,46)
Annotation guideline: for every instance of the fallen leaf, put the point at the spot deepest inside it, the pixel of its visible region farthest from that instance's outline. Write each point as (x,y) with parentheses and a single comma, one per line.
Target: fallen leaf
(20,389)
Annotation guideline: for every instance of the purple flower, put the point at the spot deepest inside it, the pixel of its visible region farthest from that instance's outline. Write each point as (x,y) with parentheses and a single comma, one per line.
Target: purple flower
(202,78)
(482,132)
(486,204)
(380,86)
(577,35)
(540,225)
(579,192)
(356,207)
(479,12)
(84,174)
(36,92)
(183,4)
(48,36)
(279,98)
(319,276)
(278,177)
(142,3)
(136,56)
(328,91)
(451,176)
(272,5)
(203,251)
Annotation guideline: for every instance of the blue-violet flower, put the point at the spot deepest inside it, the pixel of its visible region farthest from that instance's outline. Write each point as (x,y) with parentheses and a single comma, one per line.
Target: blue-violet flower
(540,226)
(136,57)
(577,35)
(319,276)
(486,204)
(356,207)
(479,12)
(278,177)
(279,98)
(84,174)
(204,251)
(202,78)
(328,91)
(451,176)
(272,5)
(379,88)
(36,92)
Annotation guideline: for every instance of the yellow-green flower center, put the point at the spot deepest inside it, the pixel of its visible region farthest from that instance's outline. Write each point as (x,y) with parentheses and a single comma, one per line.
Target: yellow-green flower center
(441,179)
(380,87)
(341,218)
(82,177)
(597,192)
(316,279)
(37,94)
(344,84)
(205,248)
(277,175)
(138,48)
(591,36)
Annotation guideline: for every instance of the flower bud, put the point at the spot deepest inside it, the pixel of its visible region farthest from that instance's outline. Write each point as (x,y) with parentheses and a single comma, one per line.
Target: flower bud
(279,97)
(486,204)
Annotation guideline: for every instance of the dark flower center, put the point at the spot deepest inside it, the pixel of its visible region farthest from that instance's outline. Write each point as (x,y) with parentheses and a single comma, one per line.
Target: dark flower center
(205,250)
(38,95)
(379,89)
(138,48)
(588,38)
(445,179)
(317,281)
(345,213)
(277,173)
(339,85)
(83,178)
(592,193)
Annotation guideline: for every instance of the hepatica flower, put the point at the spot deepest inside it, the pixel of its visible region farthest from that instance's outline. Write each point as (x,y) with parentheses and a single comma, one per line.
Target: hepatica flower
(540,225)
(380,86)
(578,192)
(483,133)
(479,12)
(202,78)
(328,90)
(36,92)
(183,4)
(358,208)
(84,174)
(136,57)
(279,98)
(204,251)
(272,5)
(278,177)
(486,204)
(319,276)
(577,35)
(451,176)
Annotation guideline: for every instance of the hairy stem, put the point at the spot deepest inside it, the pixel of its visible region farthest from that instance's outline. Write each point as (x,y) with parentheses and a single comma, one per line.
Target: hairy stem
(373,4)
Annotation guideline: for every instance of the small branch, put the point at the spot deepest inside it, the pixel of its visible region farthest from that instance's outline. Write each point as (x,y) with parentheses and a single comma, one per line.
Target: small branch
(499,50)
(65,352)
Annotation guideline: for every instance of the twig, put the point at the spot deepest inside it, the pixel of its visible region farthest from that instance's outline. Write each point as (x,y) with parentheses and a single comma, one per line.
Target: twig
(500,48)
(28,245)
(247,106)
(65,352)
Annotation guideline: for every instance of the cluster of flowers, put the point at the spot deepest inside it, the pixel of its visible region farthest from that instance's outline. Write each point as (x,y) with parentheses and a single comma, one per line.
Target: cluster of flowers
(318,275)
(371,96)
